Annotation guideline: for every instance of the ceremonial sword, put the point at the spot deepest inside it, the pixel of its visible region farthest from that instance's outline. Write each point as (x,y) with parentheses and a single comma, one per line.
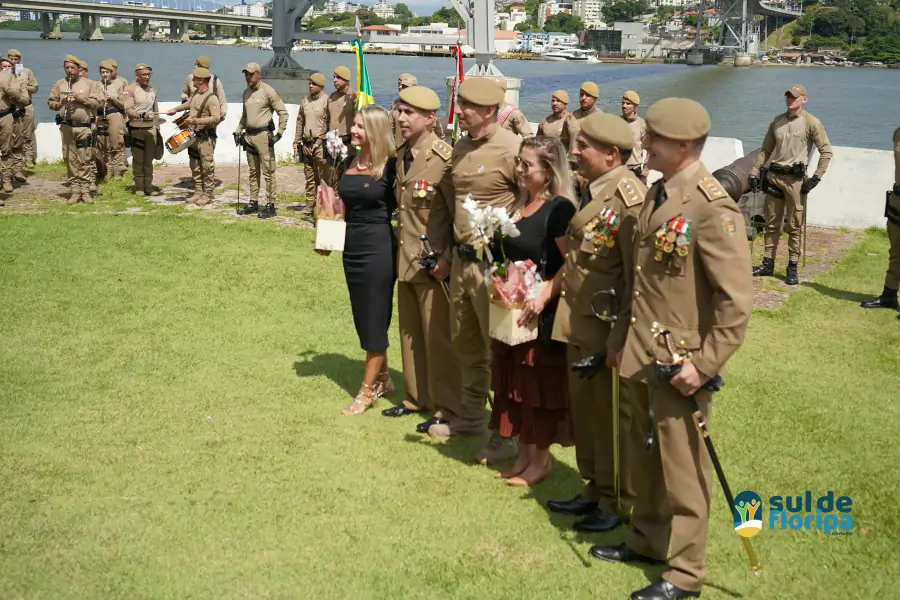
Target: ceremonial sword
(429,262)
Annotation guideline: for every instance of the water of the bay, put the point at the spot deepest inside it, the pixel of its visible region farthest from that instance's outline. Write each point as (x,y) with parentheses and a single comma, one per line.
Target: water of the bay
(856,105)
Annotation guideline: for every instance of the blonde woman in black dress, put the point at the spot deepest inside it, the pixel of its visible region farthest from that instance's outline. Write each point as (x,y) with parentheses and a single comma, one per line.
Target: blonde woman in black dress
(370,250)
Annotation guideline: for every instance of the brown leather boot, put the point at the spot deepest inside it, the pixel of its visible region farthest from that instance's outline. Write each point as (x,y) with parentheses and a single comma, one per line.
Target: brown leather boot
(7,186)
(203,200)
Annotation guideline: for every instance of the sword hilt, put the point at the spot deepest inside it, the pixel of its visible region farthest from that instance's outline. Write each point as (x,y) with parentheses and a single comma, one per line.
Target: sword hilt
(429,251)
(610,316)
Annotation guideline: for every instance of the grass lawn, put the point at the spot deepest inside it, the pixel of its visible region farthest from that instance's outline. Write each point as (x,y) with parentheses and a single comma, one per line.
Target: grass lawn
(170,395)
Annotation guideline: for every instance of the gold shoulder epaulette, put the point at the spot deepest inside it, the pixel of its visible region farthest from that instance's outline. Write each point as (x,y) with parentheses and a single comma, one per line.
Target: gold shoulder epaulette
(630,192)
(442,149)
(712,189)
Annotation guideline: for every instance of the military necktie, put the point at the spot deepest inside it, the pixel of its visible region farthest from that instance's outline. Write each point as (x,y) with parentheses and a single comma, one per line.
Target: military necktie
(407,160)
(660,198)
(586,197)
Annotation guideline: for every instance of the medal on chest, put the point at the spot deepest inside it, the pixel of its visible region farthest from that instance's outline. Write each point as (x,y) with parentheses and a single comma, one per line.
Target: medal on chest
(603,229)
(421,188)
(673,239)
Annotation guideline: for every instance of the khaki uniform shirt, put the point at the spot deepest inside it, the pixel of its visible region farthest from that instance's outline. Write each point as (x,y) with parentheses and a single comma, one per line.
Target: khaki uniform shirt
(592,264)
(188,90)
(139,100)
(485,168)
(564,127)
(31,86)
(12,91)
(581,114)
(81,109)
(789,141)
(259,102)
(115,89)
(339,112)
(309,118)
(211,115)
(638,127)
(516,123)
(425,201)
(705,297)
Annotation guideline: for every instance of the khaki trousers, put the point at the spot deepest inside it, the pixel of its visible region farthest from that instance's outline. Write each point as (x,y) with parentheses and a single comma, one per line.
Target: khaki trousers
(671,512)
(774,213)
(309,173)
(30,143)
(143,149)
(20,133)
(431,371)
(591,408)
(892,278)
(203,167)
(78,160)
(112,145)
(6,142)
(469,331)
(262,160)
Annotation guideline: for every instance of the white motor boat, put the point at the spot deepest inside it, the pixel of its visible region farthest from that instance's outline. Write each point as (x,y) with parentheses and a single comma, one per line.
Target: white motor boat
(572,55)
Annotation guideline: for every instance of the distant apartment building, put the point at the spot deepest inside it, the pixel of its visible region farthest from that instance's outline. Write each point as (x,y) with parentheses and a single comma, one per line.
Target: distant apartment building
(673,3)
(383,10)
(508,20)
(590,11)
(248,10)
(548,9)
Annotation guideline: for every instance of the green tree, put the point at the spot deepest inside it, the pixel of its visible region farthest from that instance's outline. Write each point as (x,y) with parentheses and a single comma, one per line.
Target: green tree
(447,15)
(402,10)
(564,22)
(625,10)
(528,25)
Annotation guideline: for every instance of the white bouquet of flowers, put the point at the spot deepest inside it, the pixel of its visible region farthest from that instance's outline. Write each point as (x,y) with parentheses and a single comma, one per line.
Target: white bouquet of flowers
(486,222)
(335,145)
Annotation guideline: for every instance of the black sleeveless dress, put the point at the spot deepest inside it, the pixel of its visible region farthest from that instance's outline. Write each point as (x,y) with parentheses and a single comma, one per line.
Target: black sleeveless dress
(370,253)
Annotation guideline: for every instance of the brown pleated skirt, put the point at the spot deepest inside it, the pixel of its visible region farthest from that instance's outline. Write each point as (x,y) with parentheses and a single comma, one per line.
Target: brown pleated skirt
(531,393)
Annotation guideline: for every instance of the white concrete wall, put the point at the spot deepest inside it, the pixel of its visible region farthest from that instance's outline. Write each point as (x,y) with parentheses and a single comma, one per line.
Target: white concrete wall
(851,193)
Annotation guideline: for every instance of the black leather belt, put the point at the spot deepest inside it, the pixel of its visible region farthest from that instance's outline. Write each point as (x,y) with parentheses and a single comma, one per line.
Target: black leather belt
(466,252)
(206,134)
(255,130)
(797,170)
(111,111)
(76,123)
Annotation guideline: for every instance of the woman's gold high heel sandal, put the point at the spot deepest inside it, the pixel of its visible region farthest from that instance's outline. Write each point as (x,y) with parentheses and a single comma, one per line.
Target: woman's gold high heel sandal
(359,404)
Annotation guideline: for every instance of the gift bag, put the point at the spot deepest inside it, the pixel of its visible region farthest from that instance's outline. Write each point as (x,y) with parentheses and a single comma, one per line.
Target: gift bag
(331,229)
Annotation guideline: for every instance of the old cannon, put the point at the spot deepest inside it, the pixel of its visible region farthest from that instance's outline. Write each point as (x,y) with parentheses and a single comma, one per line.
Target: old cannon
(735,179)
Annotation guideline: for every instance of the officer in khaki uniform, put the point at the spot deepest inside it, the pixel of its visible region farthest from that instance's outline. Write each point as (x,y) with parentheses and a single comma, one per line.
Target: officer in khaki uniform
(560,124)
(12,95)
(888,297)
(98,91)
(111,119)
(788,143)
(596,262)
(404,81)
(630,102)
(28,125)
(511,118)
(190,88)
(75,99)
(203,117)
(691,277)
(307,132)
(141,108)
(483,165)
(425,202)
(339,113)
(260,101)
(17,143)
(587,100)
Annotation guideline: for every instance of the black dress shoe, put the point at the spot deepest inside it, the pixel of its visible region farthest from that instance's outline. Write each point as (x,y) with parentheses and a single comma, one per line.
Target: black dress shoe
(598,522)
(424,425)
(790,275)
(885,300)
(623,554)
(576,506)
(398,411)
(662,590)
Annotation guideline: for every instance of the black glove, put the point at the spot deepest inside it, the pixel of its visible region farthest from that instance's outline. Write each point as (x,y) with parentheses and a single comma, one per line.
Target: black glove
(755,184)
(809,184)
(590,366)
(237,139)
(275,138)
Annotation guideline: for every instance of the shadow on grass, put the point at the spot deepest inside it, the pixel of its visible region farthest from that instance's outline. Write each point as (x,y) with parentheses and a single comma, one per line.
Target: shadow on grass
(837,294)
(342,370)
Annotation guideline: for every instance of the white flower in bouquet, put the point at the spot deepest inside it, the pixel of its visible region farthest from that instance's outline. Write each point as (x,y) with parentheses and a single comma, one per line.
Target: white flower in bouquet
(335,145)
(485,223)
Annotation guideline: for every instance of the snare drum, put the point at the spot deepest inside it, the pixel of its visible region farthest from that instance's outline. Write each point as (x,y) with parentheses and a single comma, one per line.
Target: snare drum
(180,141)
(179,122)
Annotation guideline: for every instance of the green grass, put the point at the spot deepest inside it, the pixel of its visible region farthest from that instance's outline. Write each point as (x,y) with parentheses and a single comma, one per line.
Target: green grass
(170,393)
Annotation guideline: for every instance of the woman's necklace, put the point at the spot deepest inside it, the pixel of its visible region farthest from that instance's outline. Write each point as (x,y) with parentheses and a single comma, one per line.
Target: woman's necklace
(536,201)
(360,166)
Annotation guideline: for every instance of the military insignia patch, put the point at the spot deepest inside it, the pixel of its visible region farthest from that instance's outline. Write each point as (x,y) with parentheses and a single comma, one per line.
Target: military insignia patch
(728,225)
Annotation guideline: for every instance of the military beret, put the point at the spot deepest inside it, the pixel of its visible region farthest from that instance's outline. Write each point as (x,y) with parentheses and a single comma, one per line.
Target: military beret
(204,61)
(679,119)
(252,68)
(561,95)
(591,89)
(14,53)
(318,79)
(106,64)
(71,58)
(113,62)
(202,73)
(797,90)
(608,129)
(82,64)
(407,79)
(420,97)
(632,97)
(343,73)
(142,67)
(481,91)
(6,60)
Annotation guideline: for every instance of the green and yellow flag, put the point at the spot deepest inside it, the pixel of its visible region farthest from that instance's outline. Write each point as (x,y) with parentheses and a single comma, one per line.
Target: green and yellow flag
(363,85)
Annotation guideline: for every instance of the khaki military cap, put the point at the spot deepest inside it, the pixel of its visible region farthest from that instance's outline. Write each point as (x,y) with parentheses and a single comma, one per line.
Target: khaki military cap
(202,73)
(608,129)
(204,61)
(71,58)
(797,90)
(504,84)
(251,68)
(632,97)
(343,73)
(318,79)
(481,91)
(142,67)
(679,119)
(420,97)
(106,64)
(82,64)
(14,52)
(113,62)
(591,89)
(4,59)
(407,79)
(562,96)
